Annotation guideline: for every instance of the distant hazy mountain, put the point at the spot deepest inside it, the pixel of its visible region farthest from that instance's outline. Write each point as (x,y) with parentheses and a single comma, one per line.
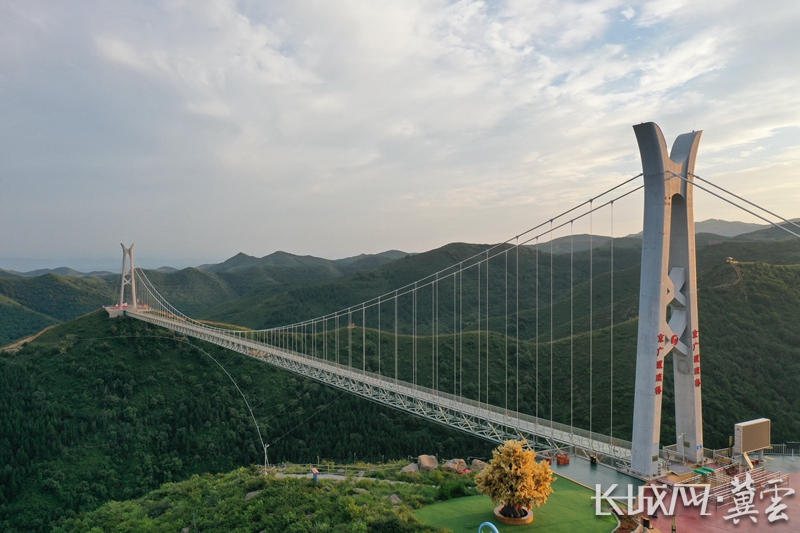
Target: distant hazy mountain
(242,261)
(390,254)
(709,231)
(9,274)
(61,271)
(726,228)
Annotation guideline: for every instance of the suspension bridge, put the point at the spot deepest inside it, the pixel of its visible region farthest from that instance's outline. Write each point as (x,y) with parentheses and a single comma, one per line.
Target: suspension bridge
(499,343)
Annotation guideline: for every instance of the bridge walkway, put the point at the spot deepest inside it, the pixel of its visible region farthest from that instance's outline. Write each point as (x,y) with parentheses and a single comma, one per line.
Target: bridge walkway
(478,418)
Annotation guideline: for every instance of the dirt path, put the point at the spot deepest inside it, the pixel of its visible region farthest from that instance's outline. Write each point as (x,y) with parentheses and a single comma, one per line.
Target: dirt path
(16,345)
(735,265)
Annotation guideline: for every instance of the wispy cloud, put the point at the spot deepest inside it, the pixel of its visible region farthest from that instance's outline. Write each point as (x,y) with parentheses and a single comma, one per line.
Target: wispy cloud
(255,126)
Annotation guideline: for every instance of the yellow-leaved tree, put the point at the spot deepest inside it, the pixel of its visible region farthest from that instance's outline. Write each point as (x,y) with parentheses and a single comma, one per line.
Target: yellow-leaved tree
(515,480)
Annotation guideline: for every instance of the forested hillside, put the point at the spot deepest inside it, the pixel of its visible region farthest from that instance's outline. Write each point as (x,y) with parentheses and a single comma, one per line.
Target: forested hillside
(734,363)
(17,321)
(100,409)
(30,302)
(244,500)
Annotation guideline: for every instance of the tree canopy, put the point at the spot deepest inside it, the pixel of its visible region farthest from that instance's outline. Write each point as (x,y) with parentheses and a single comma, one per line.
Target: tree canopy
(514,479)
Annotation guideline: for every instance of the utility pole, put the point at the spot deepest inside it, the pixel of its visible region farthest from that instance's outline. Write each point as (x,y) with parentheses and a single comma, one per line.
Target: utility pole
(266,461)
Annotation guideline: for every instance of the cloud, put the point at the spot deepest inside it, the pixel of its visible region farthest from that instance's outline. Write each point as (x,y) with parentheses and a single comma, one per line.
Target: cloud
(120,52)
(341,128)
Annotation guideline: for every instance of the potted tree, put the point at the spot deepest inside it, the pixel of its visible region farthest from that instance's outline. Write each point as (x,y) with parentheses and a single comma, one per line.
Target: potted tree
(515,482)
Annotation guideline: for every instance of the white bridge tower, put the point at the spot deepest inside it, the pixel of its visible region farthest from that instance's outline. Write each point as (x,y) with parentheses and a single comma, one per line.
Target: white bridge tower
(667,300)
(128,277)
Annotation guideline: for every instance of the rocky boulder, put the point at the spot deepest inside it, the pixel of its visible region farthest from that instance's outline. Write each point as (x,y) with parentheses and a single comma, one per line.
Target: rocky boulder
(411,468)
(427,463)
(478,465)
(455,465)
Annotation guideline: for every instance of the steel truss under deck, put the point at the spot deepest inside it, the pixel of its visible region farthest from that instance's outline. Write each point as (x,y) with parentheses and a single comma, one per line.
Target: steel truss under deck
(476,418)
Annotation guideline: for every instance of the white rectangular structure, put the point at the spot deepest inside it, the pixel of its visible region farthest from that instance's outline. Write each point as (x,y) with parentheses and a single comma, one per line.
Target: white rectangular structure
(752,436)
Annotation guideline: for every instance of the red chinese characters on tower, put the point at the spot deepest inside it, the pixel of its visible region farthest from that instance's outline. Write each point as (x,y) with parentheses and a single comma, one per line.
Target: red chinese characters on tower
(660,363)
(658,389)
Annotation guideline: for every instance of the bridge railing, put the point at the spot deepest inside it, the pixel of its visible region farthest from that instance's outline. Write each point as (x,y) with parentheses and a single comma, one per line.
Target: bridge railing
(523,422)
(509,417)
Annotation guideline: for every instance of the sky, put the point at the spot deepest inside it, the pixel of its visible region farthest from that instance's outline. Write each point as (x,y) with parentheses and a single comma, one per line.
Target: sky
(200,129)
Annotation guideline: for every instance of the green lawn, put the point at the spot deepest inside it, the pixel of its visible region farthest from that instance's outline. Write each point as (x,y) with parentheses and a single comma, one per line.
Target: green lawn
(569,509)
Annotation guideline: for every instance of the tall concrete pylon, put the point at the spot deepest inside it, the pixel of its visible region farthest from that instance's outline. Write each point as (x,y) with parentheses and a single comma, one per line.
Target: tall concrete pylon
(128,276)
(667,300)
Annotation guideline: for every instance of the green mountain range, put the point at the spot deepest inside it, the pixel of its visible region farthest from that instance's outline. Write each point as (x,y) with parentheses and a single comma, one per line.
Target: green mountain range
(97,409)
(31,301)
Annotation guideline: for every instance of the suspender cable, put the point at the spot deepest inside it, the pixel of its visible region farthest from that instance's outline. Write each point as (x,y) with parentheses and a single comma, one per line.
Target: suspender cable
(436,289)
(506,339)
(516,328)
(455,316)
(488,339)
(591,318)
(414,338)
(349,338)
(537,328)
(461,329)
(379,336)
(396,333)
(611,409)
(363,338)
(433,335)
(571,328)
(551,326)
(480,335)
